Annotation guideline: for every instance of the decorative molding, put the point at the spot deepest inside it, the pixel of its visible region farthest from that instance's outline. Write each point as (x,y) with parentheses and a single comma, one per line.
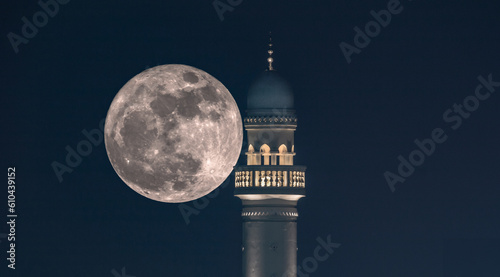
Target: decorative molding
(289,214)
(275,119)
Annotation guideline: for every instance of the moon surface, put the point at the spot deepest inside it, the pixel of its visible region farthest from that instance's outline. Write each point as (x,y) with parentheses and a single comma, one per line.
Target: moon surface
(173,133)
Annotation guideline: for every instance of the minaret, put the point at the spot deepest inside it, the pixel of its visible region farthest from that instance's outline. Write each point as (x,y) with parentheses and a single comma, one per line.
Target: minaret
(270,185)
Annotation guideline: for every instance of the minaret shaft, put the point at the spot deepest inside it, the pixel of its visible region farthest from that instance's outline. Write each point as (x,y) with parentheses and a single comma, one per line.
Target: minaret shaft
(269,236)
(270,247)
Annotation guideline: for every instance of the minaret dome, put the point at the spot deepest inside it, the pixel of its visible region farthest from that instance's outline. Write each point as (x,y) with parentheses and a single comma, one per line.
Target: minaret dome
(270,91)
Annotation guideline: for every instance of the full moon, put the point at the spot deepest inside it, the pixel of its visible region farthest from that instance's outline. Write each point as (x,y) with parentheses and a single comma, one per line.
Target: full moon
(173,133)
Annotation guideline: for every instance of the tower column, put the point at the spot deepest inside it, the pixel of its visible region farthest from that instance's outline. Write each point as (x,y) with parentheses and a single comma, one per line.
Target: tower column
(269,237)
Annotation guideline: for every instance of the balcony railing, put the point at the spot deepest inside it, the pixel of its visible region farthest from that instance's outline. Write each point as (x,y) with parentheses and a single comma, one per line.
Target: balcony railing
(270,176)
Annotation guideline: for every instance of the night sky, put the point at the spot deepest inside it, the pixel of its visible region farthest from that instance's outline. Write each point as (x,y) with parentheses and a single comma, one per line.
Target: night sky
(408,82)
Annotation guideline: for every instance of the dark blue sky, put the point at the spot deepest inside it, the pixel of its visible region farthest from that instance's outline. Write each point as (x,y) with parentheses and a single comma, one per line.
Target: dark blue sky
(355,119)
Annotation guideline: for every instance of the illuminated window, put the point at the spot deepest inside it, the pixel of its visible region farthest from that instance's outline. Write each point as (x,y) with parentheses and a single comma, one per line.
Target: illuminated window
(282,149)
(265,151)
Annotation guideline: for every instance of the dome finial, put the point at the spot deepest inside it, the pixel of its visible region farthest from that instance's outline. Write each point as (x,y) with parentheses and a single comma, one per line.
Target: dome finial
(270,52)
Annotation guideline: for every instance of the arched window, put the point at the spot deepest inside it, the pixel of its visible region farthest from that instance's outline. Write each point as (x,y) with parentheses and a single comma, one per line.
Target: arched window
(265,149)
(282,149)
(265,152)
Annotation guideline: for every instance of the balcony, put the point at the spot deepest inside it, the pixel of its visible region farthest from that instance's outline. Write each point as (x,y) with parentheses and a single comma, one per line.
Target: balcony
(270,179)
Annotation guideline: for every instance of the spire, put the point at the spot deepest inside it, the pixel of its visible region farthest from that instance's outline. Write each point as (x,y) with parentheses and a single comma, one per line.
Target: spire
(270,52)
